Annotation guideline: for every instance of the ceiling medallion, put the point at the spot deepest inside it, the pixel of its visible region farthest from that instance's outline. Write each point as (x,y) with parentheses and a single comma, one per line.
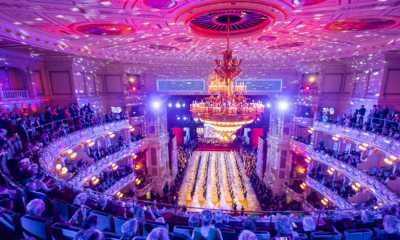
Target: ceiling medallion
(227,109)
(362,24)
(215,23)
(103,29)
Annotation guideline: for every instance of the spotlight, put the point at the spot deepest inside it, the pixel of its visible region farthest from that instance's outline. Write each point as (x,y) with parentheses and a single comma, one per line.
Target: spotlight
(283,105)
(268,105)
(184,118)
(170,105)
(178,118)
(178,105)
(156,105)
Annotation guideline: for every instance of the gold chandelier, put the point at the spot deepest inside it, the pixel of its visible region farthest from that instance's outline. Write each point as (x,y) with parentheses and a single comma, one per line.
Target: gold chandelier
(227,109)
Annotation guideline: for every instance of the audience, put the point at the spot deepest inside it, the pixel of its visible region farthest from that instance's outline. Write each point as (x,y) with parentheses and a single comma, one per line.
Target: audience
(24,147)
(380,120)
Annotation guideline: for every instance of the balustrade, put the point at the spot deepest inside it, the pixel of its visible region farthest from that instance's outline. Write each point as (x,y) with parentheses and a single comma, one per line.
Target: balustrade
(329,194)
(379,190)
(385,144)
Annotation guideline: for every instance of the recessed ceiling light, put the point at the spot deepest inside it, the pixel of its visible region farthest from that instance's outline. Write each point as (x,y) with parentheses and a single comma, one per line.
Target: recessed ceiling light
(59,16)
(17,23)
(39,19)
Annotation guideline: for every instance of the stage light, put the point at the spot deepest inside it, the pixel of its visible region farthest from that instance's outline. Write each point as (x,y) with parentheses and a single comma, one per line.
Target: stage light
(268,105)
(283,105)
(156,105)
(178,118)
(184,118)
(170,105)
(178,105)
(183,104)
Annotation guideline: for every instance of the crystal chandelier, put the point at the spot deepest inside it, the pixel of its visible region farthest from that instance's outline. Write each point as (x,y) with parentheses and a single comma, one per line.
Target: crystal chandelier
(227,109)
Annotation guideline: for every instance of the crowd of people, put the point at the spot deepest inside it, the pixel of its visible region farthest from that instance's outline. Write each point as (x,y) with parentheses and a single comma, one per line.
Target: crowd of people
(27,192)
(379,120)
(337,184)
(264,194)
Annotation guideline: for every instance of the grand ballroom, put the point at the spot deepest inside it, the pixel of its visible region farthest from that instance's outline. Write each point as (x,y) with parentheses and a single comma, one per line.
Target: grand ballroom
(199,119)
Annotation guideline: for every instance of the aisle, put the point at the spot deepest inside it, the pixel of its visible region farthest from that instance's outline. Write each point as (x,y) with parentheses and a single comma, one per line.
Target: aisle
(216,180)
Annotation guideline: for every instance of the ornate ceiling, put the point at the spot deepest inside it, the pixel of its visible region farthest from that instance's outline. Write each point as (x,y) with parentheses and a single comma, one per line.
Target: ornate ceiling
(265,32)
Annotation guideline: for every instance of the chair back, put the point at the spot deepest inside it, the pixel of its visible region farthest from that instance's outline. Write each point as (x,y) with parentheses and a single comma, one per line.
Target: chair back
(358,234)
(229,235)
(325,236)
(9,221)
(118,222)
(104,221)
(263,235)
(64,232)
(185,230)
(62,209)
(35,227)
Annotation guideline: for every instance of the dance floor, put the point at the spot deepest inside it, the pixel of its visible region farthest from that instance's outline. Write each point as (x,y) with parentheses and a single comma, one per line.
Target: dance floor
(216,180)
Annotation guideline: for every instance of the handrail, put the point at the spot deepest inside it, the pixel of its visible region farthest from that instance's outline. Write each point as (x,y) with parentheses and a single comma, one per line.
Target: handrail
(54,150)
(379,190)
(329,194)
(390,146)
(105,162)
(123,182)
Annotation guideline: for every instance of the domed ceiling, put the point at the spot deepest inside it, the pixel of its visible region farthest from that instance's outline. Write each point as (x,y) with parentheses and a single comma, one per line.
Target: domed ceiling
(264,32)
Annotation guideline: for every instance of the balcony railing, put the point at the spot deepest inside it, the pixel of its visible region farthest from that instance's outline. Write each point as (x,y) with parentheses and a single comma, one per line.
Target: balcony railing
(14,94)
(100,165)
(122,183)
(385,144)
(380,191)
(56,148)
(329,194)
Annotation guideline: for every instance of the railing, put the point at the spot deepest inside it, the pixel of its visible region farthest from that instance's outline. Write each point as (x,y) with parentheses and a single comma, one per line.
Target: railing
(105,162)
(329,194)
(123,182)
(385,144)
(13,94)
(54,150)
(380,191)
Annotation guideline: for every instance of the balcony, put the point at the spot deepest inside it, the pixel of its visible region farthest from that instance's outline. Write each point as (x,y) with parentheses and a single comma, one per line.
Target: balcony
(122,183)
(329,194)
(385,144)
(379,190)
(56,148)
(13,94)
(100,165)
